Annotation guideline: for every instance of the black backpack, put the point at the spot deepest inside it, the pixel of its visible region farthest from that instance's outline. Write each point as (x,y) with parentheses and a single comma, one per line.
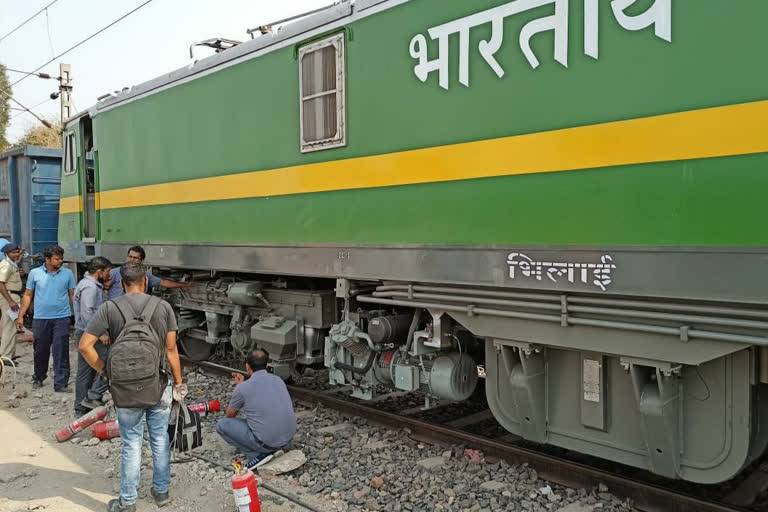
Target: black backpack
(136,359)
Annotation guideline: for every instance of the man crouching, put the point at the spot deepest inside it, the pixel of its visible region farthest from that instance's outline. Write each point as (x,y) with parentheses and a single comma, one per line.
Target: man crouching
(269,422)
(143,333)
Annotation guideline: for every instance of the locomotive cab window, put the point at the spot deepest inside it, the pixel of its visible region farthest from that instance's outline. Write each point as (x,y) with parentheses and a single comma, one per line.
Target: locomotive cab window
(69,154)
(321,77)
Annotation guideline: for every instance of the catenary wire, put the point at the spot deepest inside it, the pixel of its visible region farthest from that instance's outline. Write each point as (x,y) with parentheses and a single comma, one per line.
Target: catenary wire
(24,111)
(46,123)
(28,20)
(48,28)
(76,45)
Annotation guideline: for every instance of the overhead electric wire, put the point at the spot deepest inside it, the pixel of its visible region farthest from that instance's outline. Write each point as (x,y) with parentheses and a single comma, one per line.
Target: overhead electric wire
(48,28)
(39,75)
(23,111)
(118,20)
(46,123)
(28,19)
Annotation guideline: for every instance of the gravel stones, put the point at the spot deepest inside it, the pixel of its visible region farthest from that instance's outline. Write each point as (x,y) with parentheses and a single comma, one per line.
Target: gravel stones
(334,429)
(577,507)
(493,486)
(431,462)
(376,468)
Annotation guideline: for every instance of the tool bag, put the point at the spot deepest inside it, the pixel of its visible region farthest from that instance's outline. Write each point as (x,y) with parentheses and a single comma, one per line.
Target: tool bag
(136,368)
(184,428)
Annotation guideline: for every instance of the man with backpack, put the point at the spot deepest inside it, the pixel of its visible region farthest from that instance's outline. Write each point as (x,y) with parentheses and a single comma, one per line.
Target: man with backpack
(142,329)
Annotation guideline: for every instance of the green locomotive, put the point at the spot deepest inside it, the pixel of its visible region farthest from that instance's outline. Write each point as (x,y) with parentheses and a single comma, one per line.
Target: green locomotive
(568,192)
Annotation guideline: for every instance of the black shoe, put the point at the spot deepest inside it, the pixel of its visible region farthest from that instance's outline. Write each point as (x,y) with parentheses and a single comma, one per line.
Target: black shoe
(116,506)
(91,404)
(161,498)
(259,460)
(81,412)
(36,384)
(65,389)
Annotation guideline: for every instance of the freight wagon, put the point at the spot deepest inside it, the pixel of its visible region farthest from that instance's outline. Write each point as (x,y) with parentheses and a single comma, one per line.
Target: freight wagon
(568,192)
(30,178)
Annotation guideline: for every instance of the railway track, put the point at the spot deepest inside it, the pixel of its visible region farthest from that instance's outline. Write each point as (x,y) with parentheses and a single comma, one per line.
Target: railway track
(646,497)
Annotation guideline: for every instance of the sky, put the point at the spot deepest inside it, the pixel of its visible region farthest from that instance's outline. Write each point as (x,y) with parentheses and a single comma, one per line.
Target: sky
(150,42)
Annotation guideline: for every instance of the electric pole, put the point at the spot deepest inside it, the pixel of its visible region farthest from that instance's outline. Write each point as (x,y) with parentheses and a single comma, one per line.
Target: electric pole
(65,91)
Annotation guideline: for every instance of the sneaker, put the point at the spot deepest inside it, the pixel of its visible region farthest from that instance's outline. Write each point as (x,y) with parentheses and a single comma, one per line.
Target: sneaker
(36,384)
(80,412)
(161,498)
(65,389)
(90,404)
(259,460)
(116,506)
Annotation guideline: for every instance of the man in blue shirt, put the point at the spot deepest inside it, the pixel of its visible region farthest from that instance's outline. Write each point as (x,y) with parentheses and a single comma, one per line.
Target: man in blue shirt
(137,254)
(53,288)
(89,296)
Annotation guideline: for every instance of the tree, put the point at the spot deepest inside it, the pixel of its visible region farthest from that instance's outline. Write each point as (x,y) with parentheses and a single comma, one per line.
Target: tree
(5,86)
(39,135)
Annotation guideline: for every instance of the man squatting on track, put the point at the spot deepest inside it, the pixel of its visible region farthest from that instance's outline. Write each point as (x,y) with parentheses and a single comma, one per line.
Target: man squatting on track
(269,422)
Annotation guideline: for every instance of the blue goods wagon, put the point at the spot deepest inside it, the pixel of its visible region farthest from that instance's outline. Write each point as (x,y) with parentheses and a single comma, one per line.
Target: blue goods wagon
(30,181)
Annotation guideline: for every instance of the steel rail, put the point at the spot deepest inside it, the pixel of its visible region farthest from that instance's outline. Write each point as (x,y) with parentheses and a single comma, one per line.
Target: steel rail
(646,497)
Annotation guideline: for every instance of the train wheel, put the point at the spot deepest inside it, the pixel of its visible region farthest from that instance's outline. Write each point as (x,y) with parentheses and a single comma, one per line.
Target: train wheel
(297,370)
(195,349)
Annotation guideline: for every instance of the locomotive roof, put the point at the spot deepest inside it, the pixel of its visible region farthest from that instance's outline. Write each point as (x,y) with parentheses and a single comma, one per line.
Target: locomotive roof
(334,16)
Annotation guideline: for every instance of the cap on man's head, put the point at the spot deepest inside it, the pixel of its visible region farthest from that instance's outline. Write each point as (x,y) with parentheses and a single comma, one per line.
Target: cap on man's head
(10,247)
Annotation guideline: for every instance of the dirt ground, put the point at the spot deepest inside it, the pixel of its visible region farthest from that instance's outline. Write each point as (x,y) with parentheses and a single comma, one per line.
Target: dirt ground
(38,473)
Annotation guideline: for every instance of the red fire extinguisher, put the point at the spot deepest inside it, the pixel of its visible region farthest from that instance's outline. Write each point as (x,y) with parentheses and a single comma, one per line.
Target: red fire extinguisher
(80,423)
(244,489)
(106,430)
(206,407)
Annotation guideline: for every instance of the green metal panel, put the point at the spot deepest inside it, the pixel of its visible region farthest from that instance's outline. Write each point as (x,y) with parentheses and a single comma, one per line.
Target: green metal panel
(246,118)
(653,204)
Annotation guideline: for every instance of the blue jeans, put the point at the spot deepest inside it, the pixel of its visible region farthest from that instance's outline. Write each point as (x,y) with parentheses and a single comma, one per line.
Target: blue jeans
(51,336)
(236,432)
(132,434)
(88,383)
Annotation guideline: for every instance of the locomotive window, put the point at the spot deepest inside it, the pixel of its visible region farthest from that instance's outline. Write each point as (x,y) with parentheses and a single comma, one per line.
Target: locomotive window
(321,75)
(69,154)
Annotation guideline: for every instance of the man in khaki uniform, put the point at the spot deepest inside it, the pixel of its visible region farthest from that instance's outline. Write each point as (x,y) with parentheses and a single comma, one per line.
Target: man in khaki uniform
(10,287)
